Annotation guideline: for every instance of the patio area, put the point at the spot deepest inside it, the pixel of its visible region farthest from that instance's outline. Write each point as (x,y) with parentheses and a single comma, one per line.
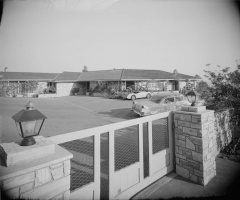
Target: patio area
(224,185)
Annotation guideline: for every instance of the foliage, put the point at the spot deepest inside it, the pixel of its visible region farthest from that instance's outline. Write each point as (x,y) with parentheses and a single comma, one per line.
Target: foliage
(225,90)
(28,86)
(225,93)
(203,89)
(104,87)
(223,129)
(49,90)
(9,89)
(74,90)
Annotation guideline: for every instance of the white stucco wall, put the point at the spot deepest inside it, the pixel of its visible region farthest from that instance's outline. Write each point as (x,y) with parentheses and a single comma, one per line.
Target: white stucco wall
(182,84)
(67,89)
(64,89)
(41,86)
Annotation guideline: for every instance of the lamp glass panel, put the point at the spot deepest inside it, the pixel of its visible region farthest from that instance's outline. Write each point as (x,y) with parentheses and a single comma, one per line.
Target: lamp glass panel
(197,98)
(191,98)
(28,128)
(38,125)
(18,128)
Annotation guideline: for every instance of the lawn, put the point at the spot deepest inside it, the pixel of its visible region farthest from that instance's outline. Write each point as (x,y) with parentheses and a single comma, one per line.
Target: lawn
(65,114)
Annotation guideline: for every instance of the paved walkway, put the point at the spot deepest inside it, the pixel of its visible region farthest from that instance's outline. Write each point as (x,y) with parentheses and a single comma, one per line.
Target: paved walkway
(225,185)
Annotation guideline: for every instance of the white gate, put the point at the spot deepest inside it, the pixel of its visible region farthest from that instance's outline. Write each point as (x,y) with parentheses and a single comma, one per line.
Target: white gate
(118,160)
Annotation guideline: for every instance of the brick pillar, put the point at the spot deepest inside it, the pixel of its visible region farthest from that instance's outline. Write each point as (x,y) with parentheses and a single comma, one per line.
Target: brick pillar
(40,171)
(195,144)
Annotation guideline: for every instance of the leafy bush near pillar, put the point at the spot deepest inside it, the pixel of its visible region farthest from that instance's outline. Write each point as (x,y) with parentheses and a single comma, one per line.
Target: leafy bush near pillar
(225,91)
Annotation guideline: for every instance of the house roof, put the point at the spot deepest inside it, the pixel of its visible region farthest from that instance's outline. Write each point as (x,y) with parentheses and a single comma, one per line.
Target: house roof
(68,76)
(27,76)
(103,75)
(197,76)
(139,74)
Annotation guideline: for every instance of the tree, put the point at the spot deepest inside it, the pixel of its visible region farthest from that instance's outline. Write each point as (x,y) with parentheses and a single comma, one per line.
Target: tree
(175,71)
(203,89)
(225,90)
(28,86)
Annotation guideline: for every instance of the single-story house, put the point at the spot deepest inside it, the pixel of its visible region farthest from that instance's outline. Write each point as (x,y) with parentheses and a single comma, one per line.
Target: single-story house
(154,80)
(71,83)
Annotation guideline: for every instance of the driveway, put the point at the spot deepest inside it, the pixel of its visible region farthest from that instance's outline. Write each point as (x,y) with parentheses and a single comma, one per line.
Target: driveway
(65,114)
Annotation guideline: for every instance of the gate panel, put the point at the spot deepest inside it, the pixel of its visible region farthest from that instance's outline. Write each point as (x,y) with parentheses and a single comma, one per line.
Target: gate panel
(118,160)
(126,159)
(82,163)
(126,147)
(82,167)
(160,157)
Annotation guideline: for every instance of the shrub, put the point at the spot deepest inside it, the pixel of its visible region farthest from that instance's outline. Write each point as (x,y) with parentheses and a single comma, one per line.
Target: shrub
(225,90)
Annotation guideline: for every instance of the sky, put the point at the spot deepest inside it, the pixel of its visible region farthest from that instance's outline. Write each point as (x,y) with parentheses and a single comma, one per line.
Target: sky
(66,35)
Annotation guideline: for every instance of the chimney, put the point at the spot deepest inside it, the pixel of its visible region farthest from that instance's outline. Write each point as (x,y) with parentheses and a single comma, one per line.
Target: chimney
(5,69)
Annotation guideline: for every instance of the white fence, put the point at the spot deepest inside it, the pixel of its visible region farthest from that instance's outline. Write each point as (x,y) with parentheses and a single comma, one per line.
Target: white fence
(118,160)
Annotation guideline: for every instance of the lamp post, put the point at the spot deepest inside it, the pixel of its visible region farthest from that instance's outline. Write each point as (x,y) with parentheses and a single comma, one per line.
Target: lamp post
(29,123)
(192,97)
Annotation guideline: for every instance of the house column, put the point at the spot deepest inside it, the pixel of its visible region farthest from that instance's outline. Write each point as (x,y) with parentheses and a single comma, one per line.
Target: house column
(18,87)
(195,144)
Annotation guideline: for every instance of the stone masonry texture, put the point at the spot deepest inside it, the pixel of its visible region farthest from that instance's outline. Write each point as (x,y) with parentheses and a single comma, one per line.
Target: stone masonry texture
(44,183)
(43,179)
(195,145)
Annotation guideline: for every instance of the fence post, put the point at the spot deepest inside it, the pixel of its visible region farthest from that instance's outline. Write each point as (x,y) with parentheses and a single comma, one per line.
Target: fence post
(140,142)
(97,166)
(150,147)
(171,140)
(111,163)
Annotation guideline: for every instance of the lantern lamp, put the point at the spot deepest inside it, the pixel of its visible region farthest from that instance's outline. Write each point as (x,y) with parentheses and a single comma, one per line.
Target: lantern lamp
(193,97)
(29,122)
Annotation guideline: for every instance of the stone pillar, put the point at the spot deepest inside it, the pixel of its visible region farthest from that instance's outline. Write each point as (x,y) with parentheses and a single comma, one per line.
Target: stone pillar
(40,171)
(195,144)
(1,125)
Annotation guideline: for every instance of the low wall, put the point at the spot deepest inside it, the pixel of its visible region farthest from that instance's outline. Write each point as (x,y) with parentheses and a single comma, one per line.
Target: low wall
(223,129)
(47,95)
(25,175)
